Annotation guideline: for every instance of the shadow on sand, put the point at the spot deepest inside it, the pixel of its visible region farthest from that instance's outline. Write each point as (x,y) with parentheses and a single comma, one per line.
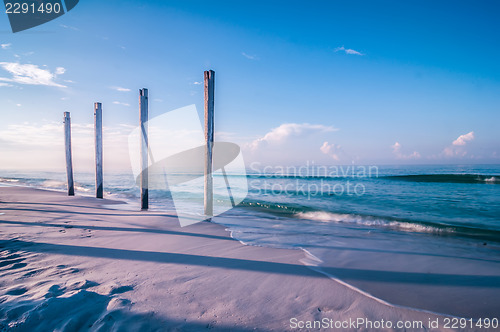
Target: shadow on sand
(263,266)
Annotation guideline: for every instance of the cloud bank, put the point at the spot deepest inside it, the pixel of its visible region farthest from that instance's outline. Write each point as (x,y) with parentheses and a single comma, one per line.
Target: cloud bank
(332,150)
(457,147)
(31,74)
(463,139)
(287,130)
(396,150)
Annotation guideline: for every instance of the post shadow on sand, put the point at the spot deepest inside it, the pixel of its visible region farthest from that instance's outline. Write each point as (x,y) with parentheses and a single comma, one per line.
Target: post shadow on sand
(217,237)
(123,214)
(453,282)
(263,266)
(118,229)
(93,213)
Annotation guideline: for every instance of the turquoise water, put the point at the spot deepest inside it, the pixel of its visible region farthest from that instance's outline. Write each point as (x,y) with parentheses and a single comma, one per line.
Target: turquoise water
(446,200)
(460,200)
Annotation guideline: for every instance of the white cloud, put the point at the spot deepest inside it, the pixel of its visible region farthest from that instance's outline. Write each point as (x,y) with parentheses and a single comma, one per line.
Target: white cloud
(396,149)
(248,56)
(457,147)
(347,51)
(118,88)
(69,27)
(30,74)
(197,83)
(332,150)
(5,46)
(120,103)
(282,133)
(463,139)
(60,70)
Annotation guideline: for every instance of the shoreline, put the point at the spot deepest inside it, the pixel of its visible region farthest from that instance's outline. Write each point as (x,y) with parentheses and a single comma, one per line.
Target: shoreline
(466,231)
(365,288)
(184,273)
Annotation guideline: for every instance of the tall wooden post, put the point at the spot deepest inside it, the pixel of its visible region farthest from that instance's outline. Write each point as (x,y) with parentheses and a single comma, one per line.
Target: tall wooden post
(143,107)
(98,150)
(209,140)
(69,162)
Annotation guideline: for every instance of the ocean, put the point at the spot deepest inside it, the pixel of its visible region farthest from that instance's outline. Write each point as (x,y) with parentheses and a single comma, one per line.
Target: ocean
(333,213)
(445,200)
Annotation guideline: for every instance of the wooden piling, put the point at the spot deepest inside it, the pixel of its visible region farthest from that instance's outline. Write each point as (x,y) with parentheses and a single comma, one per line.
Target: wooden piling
(69,162)
(143,109)
(209,77)
(98,150)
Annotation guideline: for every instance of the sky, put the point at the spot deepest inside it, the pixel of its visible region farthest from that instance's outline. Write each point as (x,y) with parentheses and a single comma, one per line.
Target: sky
(330,82)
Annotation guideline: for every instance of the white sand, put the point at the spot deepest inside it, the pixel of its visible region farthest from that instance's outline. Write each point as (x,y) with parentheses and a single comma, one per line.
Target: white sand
(67,263)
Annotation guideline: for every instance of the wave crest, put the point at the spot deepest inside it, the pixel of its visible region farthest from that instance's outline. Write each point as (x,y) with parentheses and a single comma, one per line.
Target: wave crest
(448,178)
(372,221)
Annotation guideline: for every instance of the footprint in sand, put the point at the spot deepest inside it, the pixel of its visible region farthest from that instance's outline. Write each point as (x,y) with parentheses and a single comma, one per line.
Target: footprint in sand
(17,266)
(112,289)
(17,291)
(10,261)
(34,272)
(121,289)
(117,303)
(54,291)
(86,233)
(17,311)
(80,284)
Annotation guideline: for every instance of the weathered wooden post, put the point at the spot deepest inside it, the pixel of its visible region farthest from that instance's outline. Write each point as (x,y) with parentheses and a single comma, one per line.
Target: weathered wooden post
(209,140)
(98,150)
(69,162)
(143,108)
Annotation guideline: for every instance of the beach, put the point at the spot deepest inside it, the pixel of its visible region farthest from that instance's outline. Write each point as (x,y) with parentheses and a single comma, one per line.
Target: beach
(69,263)
(249,166)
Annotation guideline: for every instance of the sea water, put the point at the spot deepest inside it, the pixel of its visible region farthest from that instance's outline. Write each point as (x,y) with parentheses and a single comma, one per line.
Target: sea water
(442,200)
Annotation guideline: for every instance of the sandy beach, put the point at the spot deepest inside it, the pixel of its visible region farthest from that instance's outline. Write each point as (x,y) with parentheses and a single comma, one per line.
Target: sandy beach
(68,263)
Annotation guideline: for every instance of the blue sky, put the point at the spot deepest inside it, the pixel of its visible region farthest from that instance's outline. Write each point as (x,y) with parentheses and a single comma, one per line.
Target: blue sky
(387,82)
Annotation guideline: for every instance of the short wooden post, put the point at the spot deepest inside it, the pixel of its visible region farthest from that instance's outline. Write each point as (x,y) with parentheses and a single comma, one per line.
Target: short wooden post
(209,140)
(143,108)
(98,150)
(69,162)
